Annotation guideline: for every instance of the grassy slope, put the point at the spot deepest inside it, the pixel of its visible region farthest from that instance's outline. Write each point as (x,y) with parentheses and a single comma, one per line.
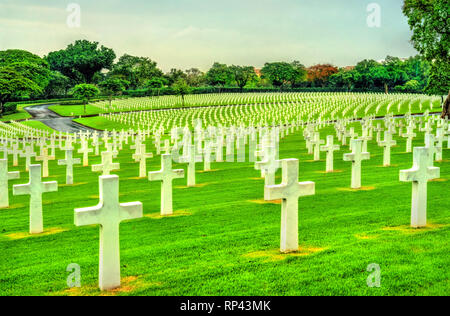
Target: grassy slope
(20,115)
(75,110)
(78,110)
(228,245)
(38,125)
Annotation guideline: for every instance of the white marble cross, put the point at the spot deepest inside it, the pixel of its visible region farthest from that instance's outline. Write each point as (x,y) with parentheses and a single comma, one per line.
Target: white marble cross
(192,159)
(316,142)
(69,162)
(28,153)
(166,175)
(330,148)
(387,143)
(409,135)
(289,191)
(419,175)
(109,213)
(430,143)
(107,164)
(5,176)
(35,187)
(85,150)
(378,129)
(142,158)
(356,157)
(15,152)
(45,158)
(439,143)
(269,165)
(207,155)
(365,138)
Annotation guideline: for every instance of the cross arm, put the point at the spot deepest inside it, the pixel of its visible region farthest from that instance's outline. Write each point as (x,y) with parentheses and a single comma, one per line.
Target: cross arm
(13,175)
(51,186)
(274,192)
(307,188)
(433,173)
(155,175)
(178,173)
(87,216)
(97,167)
(21,189)
(349,157)
(409,175)
(130,210)
(62,162)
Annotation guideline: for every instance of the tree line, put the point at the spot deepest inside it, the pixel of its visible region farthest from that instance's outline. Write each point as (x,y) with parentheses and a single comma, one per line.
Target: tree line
(86,69)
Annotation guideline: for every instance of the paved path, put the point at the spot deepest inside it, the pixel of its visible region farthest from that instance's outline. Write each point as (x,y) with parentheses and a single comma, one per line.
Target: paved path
(43,114)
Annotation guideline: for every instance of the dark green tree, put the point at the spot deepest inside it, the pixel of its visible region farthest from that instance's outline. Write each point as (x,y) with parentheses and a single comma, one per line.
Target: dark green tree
(85,92)
(278,73)
(195,77)
(82,60)
(181,88)
(28,65)
(299,75)
(58,85)
(430,22)
(219,75)
(136,70)
(14,84)
(113,87)
(156,83)
(174,75)
(243,75)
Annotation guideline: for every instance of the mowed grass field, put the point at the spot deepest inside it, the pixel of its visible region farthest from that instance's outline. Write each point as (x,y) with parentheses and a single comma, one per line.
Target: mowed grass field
(224,239)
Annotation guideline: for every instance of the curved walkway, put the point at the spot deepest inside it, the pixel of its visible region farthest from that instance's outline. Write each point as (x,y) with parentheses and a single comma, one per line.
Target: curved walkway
(43,114)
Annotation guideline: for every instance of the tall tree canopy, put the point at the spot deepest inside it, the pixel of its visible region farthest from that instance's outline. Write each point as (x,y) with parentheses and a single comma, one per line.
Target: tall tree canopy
(180,87)
(82,60)
(113,87)
(243,75)
(13,84)
(299,74)
(278,73)
(27,65)
(85,92)
(21,74)
(195,78)
(174,75)
(136,70)
(219,75)
(430,22)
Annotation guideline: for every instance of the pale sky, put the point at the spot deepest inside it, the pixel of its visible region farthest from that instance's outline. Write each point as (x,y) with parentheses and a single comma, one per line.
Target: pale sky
(195,33)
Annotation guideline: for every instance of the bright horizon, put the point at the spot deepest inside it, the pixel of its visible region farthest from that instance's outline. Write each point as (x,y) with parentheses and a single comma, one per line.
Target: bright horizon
(194,34)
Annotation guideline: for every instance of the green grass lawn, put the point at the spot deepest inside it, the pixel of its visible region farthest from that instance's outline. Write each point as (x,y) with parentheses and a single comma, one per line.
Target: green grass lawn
(226,240)
(38,125)
(20,115)
(102,123)
(75,110)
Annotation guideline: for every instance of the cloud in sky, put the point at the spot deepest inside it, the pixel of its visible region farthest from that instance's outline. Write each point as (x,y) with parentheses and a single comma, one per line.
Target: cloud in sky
(196,33)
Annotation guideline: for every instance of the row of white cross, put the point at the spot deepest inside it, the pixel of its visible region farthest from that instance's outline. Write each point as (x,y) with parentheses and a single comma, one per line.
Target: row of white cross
(109,212)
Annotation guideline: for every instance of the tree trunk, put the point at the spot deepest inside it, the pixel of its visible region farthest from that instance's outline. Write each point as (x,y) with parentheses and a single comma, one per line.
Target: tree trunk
(446,107)
(386,88)
(1,109)
(182,98)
